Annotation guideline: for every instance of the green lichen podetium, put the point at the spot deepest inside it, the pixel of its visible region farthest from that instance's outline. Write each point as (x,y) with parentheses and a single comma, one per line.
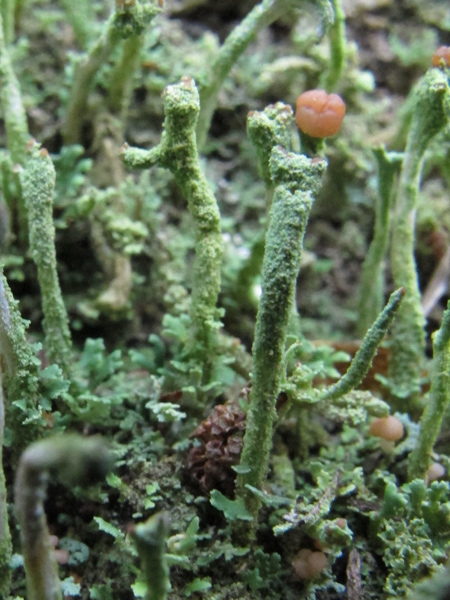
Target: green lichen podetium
(430,115)
(439,399)
(20,369)
(150,539)
(5,535)
(38,183)
(371,293)
(80,15)
(267,129)
(338,45)
(74,460)
(261,16)
(16,124)
(177,152)
(297,180)
(7,8)
(363,358)
(130,20)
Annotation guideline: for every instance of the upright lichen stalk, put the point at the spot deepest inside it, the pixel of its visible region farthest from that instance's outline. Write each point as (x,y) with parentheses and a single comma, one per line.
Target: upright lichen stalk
(19,370)
(177,152)
(16,130)
(297,180)
(438,402)
(38,182)
(430,115)
(5,536)
(371,295)
(128,21)
(150,539)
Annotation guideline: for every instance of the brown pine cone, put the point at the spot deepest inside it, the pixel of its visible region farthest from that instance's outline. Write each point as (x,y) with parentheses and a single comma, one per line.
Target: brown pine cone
(220,437)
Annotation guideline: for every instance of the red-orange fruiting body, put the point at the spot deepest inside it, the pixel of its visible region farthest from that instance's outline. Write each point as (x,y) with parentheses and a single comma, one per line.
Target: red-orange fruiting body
(388,428)
(319,114)
(442,54)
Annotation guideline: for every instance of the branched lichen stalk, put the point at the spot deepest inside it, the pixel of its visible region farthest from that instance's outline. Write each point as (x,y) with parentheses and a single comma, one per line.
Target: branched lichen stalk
(371,292)
(127,22)
(150,539)
(177,152)
(297,180)
(363,358)
(261,16)
(438,402)
(5,535)
(75,461)
(430,115)
(265,129)
(38,183)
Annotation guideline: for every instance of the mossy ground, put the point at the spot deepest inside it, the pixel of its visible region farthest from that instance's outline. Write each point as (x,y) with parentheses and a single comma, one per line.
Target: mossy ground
(389,46)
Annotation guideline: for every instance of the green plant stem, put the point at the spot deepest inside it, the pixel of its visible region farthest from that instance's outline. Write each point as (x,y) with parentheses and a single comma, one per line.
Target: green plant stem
(38,182)
(297,180)
(8,9)
(16,127)
(85,74)
(150,539)
(74,460)
(262,15)
(121,81)
(430,115)
(265,129)
(5,535)
(21,374)
(177,152)
(371,292)
(81,16)
(363,358)
(13,110)
(128,22)
(438,402)
(338,44)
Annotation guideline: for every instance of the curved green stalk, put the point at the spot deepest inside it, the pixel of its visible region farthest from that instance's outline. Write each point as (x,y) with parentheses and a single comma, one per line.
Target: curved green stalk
(430,115)
(363,358)
(262,15)
(75,461)
(297,180)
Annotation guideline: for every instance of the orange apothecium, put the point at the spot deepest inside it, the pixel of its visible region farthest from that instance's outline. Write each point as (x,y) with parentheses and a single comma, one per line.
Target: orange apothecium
(319,114)
(442,54)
